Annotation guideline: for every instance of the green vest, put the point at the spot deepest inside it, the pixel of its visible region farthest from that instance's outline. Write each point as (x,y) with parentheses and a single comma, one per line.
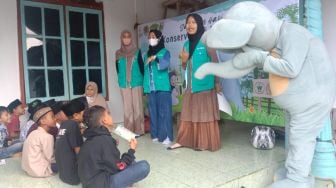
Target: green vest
(199,57)
(136,76)
(160,77)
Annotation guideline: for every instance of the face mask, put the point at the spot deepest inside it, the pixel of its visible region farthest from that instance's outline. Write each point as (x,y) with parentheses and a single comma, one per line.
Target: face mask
(153,42)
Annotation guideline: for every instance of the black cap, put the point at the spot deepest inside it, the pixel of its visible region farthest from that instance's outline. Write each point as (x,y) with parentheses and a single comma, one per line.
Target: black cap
(13,105)
(73,107)
(32,107)
(55,106)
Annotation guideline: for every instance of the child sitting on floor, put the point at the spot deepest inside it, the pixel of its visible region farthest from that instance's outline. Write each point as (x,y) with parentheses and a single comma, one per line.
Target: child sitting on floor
(6,148)
(38,149)
(99,161)
(69,141)
(13,127)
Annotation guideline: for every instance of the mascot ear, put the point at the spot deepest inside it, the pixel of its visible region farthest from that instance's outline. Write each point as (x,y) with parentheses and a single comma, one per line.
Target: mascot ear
(228,34)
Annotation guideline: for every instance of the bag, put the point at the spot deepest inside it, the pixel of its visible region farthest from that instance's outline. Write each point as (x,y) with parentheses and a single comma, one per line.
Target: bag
(262,137)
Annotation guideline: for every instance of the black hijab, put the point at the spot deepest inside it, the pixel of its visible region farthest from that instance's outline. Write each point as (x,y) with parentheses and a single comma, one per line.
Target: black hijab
(193,39)
(155,49)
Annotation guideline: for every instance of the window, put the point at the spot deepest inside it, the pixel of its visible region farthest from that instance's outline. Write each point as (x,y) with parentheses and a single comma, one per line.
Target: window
(61,55)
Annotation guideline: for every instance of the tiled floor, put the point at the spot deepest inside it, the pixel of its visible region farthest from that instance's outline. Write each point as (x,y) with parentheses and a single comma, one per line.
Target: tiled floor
(235,165)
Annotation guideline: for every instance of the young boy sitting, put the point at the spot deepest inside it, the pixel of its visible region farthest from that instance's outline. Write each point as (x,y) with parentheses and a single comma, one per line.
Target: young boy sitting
(16,109)
(30,123)
(6,149)
(38,149)
(69,141)
(99,161)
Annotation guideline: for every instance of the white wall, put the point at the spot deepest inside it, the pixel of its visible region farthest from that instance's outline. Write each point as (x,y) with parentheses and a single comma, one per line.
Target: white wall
(329,29)
(9,60)
(118,15)
(151,10)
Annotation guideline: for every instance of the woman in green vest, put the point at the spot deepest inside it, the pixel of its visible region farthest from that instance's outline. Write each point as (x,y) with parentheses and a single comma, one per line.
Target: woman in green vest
(130,68)
(200,114)
(157,86)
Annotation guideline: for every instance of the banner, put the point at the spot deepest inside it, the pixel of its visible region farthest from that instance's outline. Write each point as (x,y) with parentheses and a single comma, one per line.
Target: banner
(248,97)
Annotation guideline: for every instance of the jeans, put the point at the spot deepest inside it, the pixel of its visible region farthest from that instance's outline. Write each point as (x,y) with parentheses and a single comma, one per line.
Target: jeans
(160,112)
(7,152)
(132,174)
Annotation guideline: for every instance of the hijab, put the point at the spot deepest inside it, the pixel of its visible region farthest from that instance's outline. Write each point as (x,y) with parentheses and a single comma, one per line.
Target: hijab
(155,49)
(96,99)
(127,51)
(194,38)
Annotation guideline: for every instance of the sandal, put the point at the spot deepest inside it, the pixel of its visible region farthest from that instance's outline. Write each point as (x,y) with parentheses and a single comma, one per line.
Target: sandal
(172,148)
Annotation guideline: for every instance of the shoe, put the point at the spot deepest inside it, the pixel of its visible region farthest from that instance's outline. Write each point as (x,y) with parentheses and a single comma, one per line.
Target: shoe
(197,149)
(155,140)
(138,135)
(172,148)
(166,142)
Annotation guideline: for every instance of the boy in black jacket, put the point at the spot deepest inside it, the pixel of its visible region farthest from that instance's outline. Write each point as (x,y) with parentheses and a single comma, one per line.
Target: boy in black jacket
(99,162)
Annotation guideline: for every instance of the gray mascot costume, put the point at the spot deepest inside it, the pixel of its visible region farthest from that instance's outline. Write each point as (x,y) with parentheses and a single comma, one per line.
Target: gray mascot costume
(301,76)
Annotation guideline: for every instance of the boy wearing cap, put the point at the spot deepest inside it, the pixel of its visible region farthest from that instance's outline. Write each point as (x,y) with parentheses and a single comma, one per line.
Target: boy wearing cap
(59,117)
(26,129)
(38,149)
(69,141)
(6,149)
(16,109)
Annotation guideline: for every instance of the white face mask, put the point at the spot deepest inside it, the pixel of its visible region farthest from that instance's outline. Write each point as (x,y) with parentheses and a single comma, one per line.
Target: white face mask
(153,42)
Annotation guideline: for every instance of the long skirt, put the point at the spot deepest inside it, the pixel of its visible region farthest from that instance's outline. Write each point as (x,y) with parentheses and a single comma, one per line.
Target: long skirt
(199,121)
(133,109)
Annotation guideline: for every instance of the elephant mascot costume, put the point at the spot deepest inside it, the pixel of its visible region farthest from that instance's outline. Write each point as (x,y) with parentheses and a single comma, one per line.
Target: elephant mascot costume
(301,76)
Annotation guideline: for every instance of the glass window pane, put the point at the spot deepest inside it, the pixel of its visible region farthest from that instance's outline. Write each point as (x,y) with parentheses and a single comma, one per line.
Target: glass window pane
(92,26)
(78,81)
(33,20)
(76,24)
(37,85)
(93,50)
(56,83)
(52,22)
(95,76)
(77,53)
(54,52)
(34,52)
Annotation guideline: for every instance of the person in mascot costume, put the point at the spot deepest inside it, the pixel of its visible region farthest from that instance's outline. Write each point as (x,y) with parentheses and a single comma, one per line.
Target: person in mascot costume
(301,76)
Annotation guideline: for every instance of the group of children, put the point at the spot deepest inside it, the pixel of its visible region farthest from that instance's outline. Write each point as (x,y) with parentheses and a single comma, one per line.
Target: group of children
(72,139)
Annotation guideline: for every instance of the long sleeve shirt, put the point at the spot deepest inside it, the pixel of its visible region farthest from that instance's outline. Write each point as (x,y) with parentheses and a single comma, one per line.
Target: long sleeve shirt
(38,153)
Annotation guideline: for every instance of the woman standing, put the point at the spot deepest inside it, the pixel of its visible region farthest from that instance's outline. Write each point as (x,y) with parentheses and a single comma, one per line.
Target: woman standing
(200,114)
(130,79)
(157,86)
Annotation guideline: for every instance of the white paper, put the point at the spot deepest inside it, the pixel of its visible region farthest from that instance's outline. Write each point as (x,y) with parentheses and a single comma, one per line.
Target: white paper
(2,162)
(223,104)
(124,133)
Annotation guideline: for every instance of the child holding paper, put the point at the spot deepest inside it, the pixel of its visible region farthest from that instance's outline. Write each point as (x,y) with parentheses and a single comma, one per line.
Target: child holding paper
(99,160)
